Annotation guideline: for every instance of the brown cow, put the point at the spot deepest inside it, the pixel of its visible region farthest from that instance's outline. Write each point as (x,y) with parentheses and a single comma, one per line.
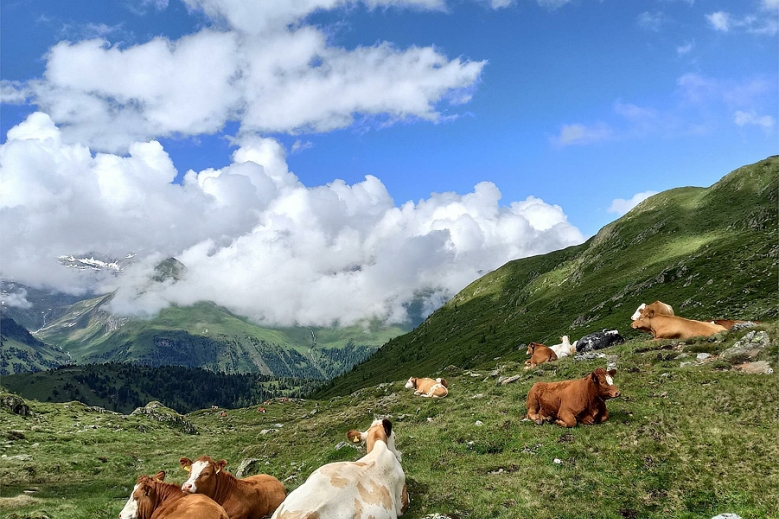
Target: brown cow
(428,387)
(658,307)
(673,327)
(572,401)
(728,323)
(249,498)
(539,354)
(154,499)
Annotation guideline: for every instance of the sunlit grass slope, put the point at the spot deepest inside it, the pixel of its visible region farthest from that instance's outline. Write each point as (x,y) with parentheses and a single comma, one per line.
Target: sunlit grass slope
(684,441)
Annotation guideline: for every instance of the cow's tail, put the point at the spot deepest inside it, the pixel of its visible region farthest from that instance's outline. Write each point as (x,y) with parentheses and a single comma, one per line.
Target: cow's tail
(442,382)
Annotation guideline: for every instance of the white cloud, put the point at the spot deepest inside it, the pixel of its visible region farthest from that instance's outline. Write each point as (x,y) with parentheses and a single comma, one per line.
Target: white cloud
(582,134)
(720,21)
(261,72)
(253,237)
(770,4)
(553,4)
(751,118)
(684,49)
(621,206)
(13,92)
(757,23)
(651,21)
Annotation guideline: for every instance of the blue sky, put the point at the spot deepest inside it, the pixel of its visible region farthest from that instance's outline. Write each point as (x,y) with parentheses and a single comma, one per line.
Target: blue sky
(565,112)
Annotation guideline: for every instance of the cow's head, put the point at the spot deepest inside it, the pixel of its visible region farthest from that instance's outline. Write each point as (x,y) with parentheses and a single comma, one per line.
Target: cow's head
(380,430)
(202,474)
(143,499)
(604,383)
(531,348)
(412,383)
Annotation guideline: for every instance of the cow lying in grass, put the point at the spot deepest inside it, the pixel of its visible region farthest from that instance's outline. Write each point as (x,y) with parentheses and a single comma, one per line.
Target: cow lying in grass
(572,402)
(563,349)
(249,498)
(374,486)
(428,387)
(674,327)
(152,498)
(539,354)
(657,308)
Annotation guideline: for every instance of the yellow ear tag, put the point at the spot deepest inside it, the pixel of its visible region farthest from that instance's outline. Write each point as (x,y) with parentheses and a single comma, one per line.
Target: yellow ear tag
(218,471)
(186,468)
(158,480)
(356,439)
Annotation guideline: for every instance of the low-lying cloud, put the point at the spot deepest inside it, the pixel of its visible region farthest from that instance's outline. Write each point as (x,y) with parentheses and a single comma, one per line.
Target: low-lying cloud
(253,237)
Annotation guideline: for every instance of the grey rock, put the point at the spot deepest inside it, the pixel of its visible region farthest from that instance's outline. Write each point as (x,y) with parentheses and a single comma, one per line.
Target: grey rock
(17,457)
(589,355)
(245,468)
(727,516)
(702,356)
(15,405)
(508,380)
(158,412)
(750,345)
(342,445)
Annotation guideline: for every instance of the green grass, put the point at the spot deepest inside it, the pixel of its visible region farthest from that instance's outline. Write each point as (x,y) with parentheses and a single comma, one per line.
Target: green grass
(682,442)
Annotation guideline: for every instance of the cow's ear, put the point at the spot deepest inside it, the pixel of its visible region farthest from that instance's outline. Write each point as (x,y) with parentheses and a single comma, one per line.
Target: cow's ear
(220,465)
(387,427)
(354,436)
(650,313)
(186,464)
(612,372)
(594,377)
(159,476)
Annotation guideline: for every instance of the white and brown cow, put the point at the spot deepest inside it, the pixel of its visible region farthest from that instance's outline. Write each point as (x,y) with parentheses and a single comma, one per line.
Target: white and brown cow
(563,349)
(248,498)
(374,486)
(153,498)
(428,387)
(674,327)
(658,308)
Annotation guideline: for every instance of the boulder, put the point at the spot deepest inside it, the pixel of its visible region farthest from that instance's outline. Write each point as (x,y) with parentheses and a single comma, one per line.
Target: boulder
(750,345)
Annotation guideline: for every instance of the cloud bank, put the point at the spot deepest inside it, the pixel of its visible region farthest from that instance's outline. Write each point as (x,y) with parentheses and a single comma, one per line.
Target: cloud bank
(253,238)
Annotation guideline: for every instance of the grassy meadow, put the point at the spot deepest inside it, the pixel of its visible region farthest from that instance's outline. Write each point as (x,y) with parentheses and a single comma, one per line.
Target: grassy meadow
(686,441)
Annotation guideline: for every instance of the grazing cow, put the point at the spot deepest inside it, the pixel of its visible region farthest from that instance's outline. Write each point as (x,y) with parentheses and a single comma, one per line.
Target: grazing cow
(538,355)
(572,401)
(152,498)
(563,349)
(674,327)
(249,498)
(658,307)
(599,340)
(428,387)
(374,486)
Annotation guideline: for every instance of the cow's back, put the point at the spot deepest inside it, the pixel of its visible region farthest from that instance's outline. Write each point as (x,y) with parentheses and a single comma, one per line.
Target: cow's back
(191,506)
(266,493)
(348,489)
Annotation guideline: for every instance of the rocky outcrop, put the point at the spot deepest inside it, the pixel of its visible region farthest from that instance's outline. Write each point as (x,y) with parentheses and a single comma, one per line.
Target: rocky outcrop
(158,412)
(749,347)
(15,404)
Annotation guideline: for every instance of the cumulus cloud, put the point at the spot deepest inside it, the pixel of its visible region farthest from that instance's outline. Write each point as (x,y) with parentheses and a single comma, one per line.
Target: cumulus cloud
(742,118)
(684,49)
(264,68)
(253,237)
(621,206)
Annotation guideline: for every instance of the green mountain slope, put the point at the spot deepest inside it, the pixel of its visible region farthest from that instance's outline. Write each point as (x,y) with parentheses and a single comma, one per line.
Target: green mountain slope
(20,351)
(710,252)
(208,336)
